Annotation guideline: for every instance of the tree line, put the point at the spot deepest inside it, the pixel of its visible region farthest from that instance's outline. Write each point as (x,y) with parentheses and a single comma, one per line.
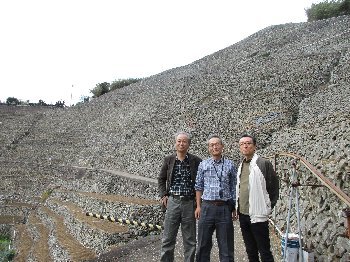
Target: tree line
(328,9)
(15,101)
(105,87)
(100,89)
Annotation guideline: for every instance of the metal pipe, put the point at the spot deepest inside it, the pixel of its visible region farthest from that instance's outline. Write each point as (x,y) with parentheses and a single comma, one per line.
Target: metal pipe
(299,227)
(325,181)
(288,222)
(346,214)
(291,189)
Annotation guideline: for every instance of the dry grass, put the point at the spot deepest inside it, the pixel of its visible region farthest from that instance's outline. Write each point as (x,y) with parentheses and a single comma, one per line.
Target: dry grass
(123,199)
(24,243)
(41,248)
(76,250)
(11,219)
(19,204)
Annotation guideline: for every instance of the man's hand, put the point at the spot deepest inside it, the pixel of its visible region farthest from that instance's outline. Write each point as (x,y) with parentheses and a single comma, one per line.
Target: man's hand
(234,215)
(197,212)
(164,201)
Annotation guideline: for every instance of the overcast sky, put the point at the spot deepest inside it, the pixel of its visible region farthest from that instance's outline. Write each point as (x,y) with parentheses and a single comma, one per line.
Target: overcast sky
(59,50)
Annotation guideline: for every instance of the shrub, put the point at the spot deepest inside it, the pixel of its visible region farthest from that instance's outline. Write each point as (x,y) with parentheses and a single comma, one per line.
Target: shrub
(10,255)
(123,82)
(327,9)
(46,194)
(6,254)
(100,89)
(12,101)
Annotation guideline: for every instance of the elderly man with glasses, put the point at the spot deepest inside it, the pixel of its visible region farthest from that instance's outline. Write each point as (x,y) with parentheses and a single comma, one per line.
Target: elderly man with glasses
(176,189)
(257,193)
(215,195)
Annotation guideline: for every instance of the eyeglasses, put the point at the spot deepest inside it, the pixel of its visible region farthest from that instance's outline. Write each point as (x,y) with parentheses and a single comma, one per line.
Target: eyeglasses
(214,144)
(245,143)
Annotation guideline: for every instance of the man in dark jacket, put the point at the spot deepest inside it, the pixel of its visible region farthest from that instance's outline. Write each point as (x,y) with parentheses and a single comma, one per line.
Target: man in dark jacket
(176,190)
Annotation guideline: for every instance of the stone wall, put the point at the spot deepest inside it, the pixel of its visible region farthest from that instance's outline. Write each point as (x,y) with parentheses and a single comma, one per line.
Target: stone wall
(288,84)
(105,183)
(5,230)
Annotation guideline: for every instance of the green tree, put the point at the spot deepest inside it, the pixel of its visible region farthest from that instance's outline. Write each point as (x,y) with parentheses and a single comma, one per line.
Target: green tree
(123,82)
(12,101)
(327,9)
(60,104)
(344,7)
(42,103)
(100,89)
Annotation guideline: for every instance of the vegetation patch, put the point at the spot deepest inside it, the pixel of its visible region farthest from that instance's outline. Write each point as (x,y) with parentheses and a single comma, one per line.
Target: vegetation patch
(328,9)
(46,194)
(6,253)
(266,54)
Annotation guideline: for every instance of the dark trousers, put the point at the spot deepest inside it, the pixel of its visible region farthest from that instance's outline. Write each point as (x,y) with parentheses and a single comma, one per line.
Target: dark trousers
(213,218)
(256,238)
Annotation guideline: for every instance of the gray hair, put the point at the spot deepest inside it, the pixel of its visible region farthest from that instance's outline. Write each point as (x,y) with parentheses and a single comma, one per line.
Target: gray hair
(183,133)
(215,136)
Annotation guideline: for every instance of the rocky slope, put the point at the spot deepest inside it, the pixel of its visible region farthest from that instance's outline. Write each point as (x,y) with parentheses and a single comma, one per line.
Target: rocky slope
(287,84)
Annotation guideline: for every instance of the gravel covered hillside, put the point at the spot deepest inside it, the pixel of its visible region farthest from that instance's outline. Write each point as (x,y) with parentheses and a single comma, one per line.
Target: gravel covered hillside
(261,85)
(287,84)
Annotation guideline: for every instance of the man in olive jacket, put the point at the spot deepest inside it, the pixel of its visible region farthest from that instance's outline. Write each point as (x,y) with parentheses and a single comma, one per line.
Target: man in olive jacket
(176,190)
(257,193)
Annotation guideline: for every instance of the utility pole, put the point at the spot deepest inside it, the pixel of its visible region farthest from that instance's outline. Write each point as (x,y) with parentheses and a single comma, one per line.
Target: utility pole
(71,96)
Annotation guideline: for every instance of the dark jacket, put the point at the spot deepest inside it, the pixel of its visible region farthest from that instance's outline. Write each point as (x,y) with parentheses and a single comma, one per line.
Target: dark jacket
(272,182)
(166,172)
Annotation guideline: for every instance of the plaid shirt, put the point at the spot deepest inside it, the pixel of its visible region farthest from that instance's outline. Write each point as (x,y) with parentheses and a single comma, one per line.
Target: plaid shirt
(214,176)
(181,183)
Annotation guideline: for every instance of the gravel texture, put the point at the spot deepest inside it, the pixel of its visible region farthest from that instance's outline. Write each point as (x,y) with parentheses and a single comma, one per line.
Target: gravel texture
(288,85)
(148,249)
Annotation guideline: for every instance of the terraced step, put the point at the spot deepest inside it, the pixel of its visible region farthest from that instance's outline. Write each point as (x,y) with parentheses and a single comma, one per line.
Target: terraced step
(19,204)
(67,247)
(133,208)
(40,249)
(24,242)
(79,214)
(11,219)
(122,199)
(18,182)
(13,212)
(99,234)
(32,240)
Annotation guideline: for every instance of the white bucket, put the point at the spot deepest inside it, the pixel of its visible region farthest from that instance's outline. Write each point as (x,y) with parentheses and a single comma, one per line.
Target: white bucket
(292,247)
